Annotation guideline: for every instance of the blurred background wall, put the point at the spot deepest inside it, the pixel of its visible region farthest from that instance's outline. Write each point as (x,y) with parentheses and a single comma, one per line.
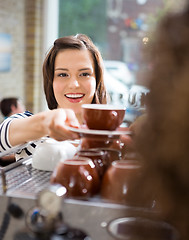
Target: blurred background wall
(22,23)
(27,30)
(12,30)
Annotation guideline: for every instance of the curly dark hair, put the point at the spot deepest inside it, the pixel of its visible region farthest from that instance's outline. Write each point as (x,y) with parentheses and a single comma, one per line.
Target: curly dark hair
(163,142)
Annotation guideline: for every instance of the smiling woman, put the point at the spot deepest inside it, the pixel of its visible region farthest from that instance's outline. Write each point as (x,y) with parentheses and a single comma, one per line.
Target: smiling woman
(73,75)
(74,80)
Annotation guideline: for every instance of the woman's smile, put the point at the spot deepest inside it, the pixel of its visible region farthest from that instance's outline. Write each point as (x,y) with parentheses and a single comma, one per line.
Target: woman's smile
(74,97)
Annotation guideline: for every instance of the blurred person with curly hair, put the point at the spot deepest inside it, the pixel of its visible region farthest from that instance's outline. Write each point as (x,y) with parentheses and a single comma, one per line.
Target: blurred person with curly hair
(163,138)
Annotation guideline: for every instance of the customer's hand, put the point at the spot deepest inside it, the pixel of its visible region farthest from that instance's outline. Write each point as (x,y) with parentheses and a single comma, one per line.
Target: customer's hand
(57,122)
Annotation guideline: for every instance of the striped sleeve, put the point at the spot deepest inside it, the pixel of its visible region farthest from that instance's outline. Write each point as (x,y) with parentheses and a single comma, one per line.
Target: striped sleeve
(27,151)
(4,130)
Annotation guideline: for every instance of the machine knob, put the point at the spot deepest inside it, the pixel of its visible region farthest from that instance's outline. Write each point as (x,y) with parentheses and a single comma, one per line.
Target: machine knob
(15,210)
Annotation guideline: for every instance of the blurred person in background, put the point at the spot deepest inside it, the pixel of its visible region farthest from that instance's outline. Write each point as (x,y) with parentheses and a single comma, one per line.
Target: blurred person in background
(162,139)
(73,75)
(10,106)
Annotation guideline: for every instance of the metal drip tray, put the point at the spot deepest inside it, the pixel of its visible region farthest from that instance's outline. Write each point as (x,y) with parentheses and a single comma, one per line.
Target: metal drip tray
(22,180)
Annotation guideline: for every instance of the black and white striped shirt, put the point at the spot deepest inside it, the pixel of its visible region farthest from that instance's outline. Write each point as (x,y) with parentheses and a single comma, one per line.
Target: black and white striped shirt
(4,137)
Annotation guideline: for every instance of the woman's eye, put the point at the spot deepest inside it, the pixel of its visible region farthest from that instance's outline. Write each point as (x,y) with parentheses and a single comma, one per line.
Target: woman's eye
(62,75)
(85,74)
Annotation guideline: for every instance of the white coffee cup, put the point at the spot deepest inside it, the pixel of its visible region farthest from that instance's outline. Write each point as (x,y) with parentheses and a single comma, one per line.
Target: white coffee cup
(50,152)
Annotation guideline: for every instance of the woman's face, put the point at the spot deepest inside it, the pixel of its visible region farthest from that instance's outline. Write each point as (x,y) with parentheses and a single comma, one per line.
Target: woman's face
(74,80)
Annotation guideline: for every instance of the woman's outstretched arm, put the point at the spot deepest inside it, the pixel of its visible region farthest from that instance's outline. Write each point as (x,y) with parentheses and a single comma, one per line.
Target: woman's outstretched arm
(52,123)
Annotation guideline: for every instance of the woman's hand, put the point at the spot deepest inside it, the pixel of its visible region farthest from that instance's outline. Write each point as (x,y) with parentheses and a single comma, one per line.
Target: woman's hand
(52,123)
(57,122)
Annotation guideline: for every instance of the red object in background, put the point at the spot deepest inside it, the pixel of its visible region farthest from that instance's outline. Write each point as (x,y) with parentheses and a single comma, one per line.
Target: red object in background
(127,22)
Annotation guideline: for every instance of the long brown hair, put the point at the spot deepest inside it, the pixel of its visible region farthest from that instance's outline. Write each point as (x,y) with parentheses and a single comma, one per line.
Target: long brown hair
(80,41)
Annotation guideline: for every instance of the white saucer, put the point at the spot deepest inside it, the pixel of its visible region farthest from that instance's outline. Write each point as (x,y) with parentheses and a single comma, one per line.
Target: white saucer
(84,132)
